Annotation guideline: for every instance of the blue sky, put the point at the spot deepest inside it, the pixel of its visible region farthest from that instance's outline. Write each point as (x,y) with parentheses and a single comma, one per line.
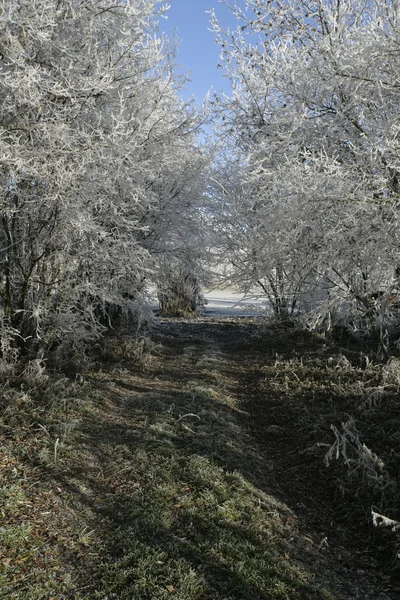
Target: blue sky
(197,51)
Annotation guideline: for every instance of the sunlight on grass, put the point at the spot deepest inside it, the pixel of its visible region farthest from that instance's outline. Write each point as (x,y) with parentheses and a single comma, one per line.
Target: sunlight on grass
(186,520)
(160,490)
(200,532)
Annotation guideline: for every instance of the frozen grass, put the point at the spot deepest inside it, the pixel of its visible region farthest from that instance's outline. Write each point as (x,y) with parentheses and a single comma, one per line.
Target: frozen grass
(185,518)
(157,487)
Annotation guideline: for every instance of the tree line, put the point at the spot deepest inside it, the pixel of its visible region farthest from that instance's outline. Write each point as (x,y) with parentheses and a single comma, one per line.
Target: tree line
(100,168)
(108,186)
(311,170)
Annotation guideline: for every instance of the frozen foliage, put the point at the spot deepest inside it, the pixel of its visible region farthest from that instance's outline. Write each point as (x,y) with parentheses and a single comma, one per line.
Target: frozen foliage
(96,154)
(179,291)
(313,216)
(358,458)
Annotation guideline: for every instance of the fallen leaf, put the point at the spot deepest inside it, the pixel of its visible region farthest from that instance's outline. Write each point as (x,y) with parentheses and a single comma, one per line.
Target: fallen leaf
(22,560)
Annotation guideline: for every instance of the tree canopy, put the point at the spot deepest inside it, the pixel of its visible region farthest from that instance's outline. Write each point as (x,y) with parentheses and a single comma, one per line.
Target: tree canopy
(107,185)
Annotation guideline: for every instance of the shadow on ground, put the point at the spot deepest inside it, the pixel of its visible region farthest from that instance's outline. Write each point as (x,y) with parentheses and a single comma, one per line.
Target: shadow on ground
(190,496)
(199,475)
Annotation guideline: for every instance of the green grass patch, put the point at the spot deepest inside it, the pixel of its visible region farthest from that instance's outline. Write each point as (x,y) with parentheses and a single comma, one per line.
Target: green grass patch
(189,514)
(39,545)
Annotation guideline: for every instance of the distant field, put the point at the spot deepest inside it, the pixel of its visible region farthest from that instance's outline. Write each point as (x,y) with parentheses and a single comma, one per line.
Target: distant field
(227,302)
(231,302)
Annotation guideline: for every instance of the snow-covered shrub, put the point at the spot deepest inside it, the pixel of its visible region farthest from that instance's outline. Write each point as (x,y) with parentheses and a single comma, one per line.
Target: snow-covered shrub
(179,293)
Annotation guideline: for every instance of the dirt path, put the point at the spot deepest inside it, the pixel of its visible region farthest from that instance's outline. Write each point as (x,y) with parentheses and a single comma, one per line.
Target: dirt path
(206,459)
(200,476)
(289,463)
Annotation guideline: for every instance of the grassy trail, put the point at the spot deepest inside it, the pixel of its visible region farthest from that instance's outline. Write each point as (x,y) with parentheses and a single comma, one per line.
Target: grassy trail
(184,479)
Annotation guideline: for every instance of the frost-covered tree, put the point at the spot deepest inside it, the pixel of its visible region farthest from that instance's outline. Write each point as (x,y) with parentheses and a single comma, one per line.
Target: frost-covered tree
(91,127)
(314,117)
(176,234)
